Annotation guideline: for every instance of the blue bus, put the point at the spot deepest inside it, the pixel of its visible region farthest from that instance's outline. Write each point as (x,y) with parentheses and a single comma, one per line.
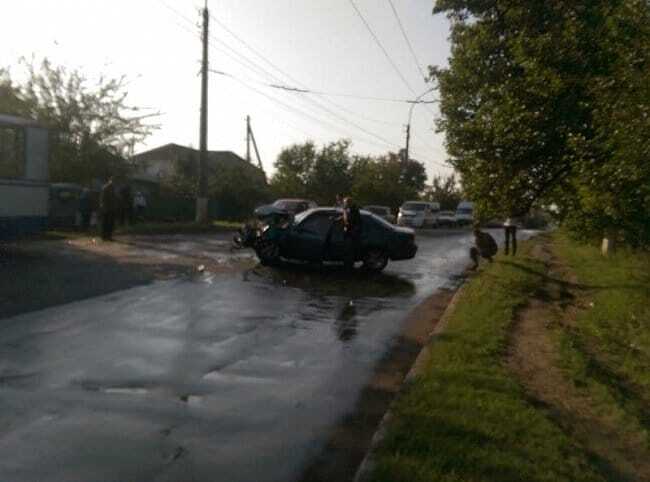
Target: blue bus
(24,186)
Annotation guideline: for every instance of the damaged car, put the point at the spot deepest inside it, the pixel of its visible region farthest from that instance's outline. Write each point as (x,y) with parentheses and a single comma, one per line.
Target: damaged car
(316,236)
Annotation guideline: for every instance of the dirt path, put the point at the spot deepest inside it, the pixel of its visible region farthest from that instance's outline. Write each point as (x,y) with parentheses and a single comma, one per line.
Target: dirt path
(534,359)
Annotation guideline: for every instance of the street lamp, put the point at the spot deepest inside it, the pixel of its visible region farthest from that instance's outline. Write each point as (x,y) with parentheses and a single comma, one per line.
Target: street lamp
(408,125)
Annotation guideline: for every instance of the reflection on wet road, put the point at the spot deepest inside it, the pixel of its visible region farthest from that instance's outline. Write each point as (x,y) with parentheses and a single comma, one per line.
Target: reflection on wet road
(223,377)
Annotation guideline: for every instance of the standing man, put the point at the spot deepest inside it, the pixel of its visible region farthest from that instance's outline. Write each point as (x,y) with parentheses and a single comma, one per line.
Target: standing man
(484,246)
(107,206)
(510,228)
(338,202)
(351,231)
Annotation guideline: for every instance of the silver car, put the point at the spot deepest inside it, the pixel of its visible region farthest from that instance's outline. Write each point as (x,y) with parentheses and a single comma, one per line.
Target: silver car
(381,211)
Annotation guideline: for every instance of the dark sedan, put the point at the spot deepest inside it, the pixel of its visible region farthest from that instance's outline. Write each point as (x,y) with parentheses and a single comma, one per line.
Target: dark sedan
(304,239)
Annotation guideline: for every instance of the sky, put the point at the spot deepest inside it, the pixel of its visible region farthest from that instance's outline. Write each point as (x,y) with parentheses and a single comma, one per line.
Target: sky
(318,45)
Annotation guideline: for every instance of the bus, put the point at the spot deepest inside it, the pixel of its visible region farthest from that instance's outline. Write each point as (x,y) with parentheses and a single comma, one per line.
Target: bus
(24,186)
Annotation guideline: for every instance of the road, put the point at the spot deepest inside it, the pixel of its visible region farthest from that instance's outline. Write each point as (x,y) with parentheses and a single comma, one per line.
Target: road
(221,376)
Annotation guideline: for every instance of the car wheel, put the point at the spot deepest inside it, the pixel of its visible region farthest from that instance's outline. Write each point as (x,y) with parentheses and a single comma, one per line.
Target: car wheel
(375,260)
(268,252)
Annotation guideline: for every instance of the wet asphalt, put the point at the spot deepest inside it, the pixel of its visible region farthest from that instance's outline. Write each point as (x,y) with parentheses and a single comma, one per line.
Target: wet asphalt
(217,377)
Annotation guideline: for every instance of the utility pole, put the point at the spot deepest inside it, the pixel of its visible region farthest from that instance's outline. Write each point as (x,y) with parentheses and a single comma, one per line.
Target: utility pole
(408,140)
(418,100)
(202,198)
(248,138)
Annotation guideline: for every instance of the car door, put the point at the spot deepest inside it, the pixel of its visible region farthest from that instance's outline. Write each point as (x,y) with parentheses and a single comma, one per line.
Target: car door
(308,238)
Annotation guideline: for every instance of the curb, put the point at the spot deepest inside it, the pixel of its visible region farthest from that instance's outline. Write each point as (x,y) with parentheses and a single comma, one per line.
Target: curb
(368,463)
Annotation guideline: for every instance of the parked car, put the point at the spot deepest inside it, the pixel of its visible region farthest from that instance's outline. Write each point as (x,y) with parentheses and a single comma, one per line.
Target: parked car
(303,239)
(381,211)
(465,213)
(447,218)
(418,214)
(292,206)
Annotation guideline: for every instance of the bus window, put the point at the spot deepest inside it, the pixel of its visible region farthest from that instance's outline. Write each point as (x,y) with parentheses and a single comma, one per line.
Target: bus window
(12,152)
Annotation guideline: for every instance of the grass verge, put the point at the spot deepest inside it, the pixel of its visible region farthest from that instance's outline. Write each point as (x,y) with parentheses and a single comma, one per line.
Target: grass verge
(605,349)
(465,418)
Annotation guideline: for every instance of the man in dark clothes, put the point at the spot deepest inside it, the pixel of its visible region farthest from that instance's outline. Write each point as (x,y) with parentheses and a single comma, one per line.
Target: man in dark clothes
(485,247)
(107,205)
(510,231)
(351,231)
(85,209)
(126,205)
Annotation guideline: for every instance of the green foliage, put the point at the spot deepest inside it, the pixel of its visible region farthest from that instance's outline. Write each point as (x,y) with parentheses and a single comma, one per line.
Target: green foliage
(302,170)
(546,102)
(446,191)
(92,126)
(236,188)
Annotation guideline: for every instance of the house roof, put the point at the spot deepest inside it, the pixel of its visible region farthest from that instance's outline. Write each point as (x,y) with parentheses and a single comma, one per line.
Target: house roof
(6,119)
(173,151)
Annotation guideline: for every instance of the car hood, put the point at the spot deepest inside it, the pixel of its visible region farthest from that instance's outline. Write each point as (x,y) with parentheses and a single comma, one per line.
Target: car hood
(269,210)
(400,229)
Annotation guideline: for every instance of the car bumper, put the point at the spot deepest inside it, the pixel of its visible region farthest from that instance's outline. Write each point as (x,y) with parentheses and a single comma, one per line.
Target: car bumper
(411,222)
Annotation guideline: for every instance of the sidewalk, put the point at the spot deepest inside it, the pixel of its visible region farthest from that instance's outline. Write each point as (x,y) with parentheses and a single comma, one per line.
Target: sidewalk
(542,373)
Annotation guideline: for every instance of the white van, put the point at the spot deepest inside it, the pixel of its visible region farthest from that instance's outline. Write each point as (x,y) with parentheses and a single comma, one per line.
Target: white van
(465,213)
(418,214)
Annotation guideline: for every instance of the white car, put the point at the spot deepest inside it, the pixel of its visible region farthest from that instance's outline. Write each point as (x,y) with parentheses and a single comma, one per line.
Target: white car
(447,218)
(418,214)
(465,213)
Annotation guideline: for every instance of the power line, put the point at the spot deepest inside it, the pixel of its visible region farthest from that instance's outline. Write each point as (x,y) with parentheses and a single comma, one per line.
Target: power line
(408,42)
(279,84)
(299,90)
(273,76)
(381,46)
(383,143)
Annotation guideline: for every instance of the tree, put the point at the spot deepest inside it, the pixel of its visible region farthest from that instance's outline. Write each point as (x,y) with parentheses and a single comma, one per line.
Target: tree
(236,187)
(321,174)
(92,127)
(303,171)
(535,106)
(387,180)
(446,191)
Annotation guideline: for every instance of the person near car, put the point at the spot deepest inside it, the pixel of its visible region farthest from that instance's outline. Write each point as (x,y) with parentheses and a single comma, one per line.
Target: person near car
(338,202)
(107,206)
(510,230)
(351,231)
(139,204)
(484,247)
(85,208)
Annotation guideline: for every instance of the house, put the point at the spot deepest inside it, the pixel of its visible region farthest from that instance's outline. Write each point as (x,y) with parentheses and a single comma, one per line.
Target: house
(236,186)
(156,164)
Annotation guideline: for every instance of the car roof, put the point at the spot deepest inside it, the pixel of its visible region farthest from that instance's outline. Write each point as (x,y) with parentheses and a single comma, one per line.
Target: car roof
(294,199)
